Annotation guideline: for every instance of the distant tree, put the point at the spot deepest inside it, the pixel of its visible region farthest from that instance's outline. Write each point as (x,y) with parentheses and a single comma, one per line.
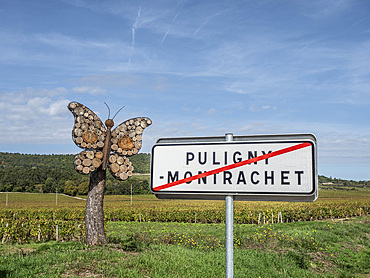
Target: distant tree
(83,188)
(70,188)
(49,185)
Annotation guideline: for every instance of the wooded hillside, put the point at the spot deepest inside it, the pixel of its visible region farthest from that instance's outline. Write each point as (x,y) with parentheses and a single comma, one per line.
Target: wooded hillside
(51,173)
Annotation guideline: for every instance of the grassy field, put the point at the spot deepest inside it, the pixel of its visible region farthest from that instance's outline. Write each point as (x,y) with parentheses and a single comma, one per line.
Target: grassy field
(149,249)
(331,247)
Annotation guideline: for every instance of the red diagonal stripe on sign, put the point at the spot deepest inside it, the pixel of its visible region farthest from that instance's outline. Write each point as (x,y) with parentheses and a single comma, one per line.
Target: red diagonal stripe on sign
(235,165)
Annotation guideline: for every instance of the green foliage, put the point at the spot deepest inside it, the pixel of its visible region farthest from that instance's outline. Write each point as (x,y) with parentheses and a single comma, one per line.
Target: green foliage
(334,183)
(70,188)
(25,172)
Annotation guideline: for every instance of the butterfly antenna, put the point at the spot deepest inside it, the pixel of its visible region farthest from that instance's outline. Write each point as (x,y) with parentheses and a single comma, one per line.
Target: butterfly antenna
(108,109)
(117,112)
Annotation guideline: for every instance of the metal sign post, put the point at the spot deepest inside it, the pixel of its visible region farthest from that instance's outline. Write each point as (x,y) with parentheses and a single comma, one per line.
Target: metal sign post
(229,228)
(229,236)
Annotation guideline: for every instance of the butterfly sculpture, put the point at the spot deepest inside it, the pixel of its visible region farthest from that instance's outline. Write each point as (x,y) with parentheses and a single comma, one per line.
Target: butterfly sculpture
(102,145)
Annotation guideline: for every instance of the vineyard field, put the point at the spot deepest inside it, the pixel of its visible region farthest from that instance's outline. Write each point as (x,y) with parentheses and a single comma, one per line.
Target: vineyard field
(33,216)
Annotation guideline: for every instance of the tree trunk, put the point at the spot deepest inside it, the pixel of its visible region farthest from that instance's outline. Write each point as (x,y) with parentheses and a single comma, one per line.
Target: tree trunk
(94,216)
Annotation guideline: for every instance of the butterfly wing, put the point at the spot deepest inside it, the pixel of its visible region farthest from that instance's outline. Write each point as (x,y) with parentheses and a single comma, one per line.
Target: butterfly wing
(126,141)
(88,133)
(127,137)
(120,166)
(88,161)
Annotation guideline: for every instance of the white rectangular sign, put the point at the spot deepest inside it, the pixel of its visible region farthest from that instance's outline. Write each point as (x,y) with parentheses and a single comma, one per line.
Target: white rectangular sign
(270,167)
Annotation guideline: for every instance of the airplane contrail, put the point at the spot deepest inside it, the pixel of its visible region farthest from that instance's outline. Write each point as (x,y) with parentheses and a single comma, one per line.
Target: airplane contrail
(133,30)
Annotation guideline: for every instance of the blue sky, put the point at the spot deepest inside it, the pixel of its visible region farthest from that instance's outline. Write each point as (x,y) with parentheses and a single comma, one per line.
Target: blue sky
(196,68)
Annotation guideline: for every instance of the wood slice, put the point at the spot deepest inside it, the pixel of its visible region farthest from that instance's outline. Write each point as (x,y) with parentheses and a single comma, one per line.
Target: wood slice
(132,134)
(112,159)
(86,162)
(80,119)
(129,173)
(92,168)
(77,161)
(86,170)
(79,111)
(138,145)
(90,154)
(99,155)
(119,150)
(139,130)
(97,123)
(72,105)
(114,147)
(96,162)
(126,143)
(78,132)
(84,126)
(114,167)
(90,137)
(79,140)
(135,151)
(123,176)
(131,168)
(83,144)
(123,168)
(79,168)
(120,160)
(100,144)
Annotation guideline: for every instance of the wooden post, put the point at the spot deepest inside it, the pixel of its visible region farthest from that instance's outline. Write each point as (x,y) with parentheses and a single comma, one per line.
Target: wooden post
(272,218)
(6,198)
(195,217)
(57,233)
(259,218)
(39,234)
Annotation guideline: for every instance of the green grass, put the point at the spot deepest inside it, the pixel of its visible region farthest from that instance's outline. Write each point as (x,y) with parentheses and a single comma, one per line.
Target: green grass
(149,249)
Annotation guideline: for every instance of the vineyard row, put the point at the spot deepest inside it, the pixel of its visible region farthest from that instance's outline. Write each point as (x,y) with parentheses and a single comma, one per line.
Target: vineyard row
(21,225)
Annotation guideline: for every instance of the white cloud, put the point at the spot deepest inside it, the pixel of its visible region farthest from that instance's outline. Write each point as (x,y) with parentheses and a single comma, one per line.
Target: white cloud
(27,118)
(211,111)
(90,89)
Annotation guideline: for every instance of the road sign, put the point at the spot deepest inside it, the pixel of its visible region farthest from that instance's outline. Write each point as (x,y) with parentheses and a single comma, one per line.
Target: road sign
(264,167)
